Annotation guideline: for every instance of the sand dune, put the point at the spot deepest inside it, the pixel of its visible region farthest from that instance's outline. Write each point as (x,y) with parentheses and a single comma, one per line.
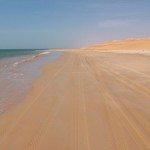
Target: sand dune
(84,101)
(129,44)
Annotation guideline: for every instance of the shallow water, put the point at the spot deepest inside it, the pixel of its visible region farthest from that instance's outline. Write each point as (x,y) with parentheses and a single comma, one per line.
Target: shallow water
(16,52)
(17,74)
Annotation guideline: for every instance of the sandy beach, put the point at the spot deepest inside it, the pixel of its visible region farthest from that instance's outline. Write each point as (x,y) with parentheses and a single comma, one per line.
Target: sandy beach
(86,100)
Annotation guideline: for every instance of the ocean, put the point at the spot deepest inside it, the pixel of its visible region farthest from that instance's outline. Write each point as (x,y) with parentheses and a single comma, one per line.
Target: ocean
(18,69)
(16,52)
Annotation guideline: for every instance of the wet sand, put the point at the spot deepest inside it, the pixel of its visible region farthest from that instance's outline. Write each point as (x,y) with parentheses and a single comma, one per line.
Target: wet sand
(17,74)
(86,100)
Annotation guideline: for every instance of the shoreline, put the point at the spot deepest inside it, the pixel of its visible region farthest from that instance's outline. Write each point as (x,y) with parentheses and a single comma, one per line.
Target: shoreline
(19,74)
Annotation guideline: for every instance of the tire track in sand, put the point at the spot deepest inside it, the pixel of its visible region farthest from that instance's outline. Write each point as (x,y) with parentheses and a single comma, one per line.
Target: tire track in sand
(135,86)
(83,101)
(117,143)
(76,106)
(130,69)
(128,82)
(106,95)
(89,70)
(37,140)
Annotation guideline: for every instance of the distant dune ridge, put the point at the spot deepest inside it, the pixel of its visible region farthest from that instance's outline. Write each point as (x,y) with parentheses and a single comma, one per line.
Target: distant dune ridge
(128,44)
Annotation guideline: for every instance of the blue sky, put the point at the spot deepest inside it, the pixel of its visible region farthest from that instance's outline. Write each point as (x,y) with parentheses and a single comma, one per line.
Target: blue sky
(71,23)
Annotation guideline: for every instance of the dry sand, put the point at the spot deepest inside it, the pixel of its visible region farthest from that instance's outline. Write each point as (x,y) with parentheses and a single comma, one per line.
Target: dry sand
(86,100)
(129,44)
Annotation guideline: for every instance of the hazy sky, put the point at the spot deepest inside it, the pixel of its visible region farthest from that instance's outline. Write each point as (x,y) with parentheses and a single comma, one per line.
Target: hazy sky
(71,23)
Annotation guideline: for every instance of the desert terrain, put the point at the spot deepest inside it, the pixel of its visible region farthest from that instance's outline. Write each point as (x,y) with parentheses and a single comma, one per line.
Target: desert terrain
(131,44)
(89,99)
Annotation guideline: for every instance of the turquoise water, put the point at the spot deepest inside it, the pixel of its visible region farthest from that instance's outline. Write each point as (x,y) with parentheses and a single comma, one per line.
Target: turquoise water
(18,70)
(16,52)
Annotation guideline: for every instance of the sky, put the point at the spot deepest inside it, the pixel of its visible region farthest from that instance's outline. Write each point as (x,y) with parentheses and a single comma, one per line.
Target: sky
(71,23)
